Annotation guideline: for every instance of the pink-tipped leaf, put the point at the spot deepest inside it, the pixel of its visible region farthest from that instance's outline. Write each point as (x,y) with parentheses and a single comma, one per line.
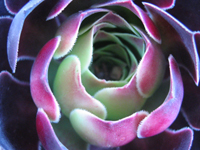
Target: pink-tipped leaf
(147,22)
(121,101)
(69,31)
(176,40)
(40,90)
(162,117)
(150,70)
(105,133)
(69,91)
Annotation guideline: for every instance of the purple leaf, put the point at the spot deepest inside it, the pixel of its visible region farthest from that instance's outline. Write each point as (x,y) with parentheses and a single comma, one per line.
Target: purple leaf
(167,140)
(162,117)
(15,32)
(17,114)
(13,6)
(40,90)
(191,101)
(176,40)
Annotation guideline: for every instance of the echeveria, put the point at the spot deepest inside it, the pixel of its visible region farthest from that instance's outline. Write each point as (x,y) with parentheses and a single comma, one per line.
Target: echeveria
(116,74)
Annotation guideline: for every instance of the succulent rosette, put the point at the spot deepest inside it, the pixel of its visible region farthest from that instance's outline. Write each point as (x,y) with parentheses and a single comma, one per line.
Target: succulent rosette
(117,74)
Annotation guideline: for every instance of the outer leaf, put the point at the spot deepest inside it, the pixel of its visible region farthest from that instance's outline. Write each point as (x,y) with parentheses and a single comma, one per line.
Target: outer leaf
(161,118)
(15,31)
(17,114)
(176,40)
(191,102)
(167,140)
(14,6)
(40,90)
(105,133)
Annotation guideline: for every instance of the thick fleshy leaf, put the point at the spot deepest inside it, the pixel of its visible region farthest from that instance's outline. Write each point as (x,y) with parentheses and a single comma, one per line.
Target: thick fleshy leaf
(46,133)
(191,102)
(92,84)
(17,127)
(70,92)
(147,22)
(69,31)
(176,40)
(121,101)
(162,117)
(105,133)
(150,71)
(13,6)
(40,90)
(15,32)
(167,140)
(58,8)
